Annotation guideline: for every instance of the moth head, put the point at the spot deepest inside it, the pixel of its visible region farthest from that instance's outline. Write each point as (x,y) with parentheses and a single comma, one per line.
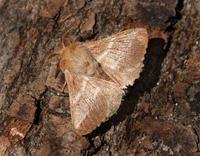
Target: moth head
(77,59)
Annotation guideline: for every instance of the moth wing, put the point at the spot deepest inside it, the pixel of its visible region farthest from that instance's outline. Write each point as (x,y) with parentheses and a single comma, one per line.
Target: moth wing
(92,101)
(121,55)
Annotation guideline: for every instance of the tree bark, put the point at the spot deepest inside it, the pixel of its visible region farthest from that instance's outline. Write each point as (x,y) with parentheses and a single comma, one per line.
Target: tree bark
(160,112)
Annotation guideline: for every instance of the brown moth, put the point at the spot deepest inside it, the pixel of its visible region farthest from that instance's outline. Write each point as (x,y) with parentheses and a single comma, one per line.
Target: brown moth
(96,73)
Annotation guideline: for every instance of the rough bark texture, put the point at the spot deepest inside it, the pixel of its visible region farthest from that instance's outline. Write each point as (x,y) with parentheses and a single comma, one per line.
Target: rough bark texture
(160,112)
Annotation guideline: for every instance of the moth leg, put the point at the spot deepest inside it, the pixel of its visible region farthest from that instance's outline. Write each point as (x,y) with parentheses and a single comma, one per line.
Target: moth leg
(57,70)
(55,79)
(63,88)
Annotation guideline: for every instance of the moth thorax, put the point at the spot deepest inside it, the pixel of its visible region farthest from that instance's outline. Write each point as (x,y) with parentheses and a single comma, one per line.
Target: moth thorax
(80,61)
(88,65)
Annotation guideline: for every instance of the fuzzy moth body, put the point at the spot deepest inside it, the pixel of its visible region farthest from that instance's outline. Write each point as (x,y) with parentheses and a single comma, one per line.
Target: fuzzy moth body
(96,73)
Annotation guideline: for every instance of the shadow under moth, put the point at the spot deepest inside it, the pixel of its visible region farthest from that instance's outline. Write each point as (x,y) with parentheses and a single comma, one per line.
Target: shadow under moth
(97,72)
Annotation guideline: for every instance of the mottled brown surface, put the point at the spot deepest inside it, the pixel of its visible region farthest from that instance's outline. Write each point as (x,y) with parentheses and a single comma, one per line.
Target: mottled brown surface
(160,113)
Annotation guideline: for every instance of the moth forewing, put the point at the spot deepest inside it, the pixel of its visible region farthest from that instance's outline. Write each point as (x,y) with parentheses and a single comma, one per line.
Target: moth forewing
(122,54)
(92,101)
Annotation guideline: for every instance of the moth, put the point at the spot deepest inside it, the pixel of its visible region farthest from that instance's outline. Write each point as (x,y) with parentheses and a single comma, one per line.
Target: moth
(97,72)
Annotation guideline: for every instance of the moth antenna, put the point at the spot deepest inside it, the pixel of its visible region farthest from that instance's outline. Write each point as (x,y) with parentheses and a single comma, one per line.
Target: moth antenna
(54,53)
(68,42)
(48,56)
